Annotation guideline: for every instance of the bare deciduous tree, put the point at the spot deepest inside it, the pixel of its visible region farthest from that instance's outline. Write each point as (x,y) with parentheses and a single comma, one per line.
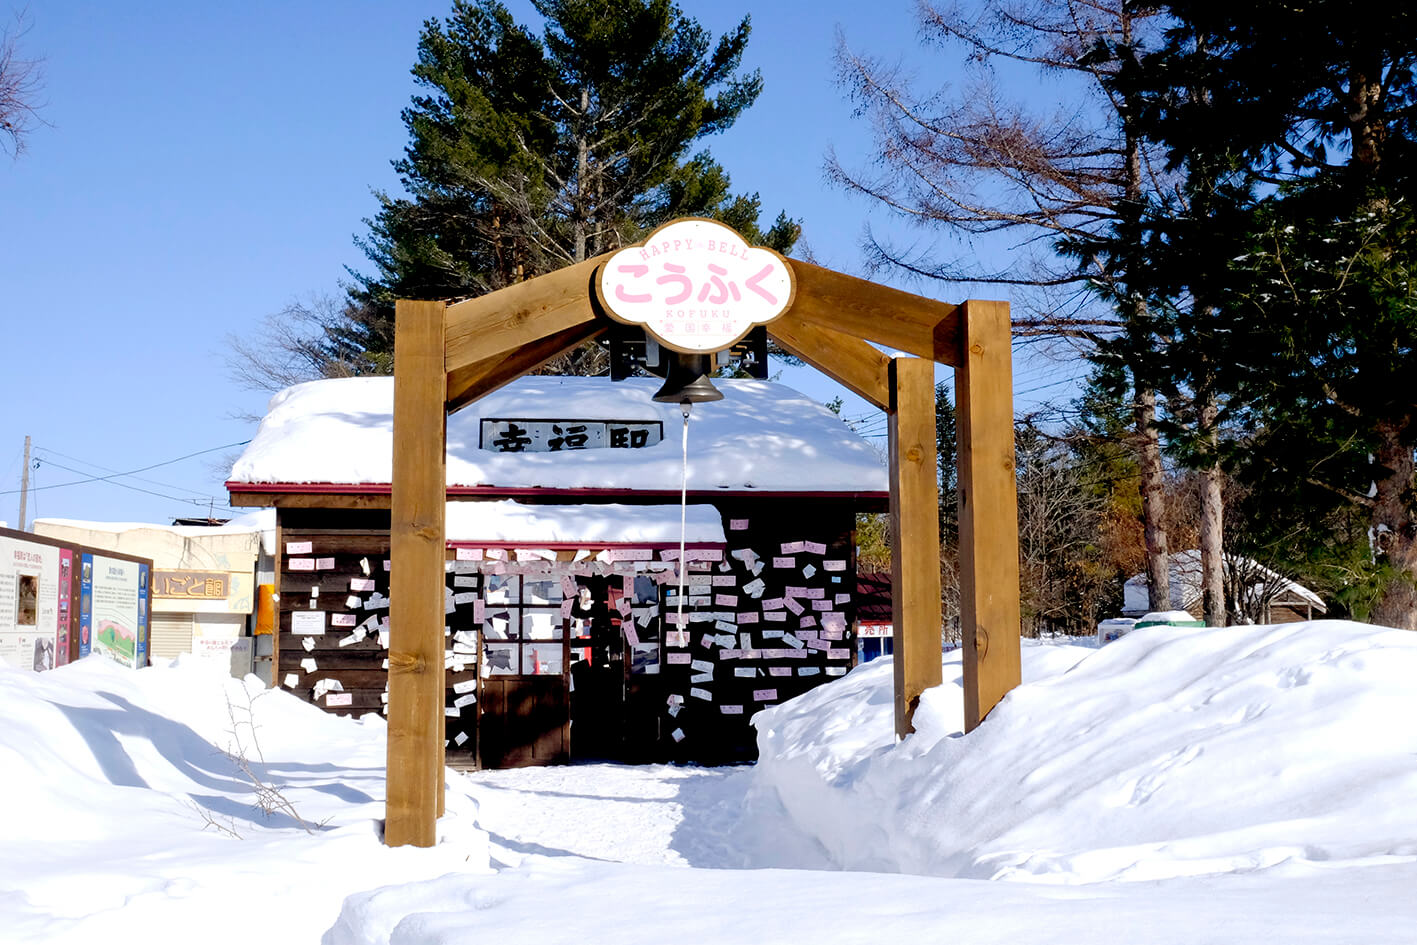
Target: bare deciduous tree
(978,165)
(20,82)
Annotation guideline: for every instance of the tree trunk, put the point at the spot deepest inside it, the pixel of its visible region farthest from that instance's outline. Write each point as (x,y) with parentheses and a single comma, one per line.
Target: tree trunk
(1394,531)
(1153,502)
(580,216)
(1212,534)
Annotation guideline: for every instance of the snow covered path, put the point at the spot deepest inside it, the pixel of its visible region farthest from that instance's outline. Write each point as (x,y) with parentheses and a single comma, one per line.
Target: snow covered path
(646,814)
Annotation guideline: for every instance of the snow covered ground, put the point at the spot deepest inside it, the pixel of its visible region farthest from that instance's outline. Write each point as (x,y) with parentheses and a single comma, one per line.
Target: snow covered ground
(1178,786)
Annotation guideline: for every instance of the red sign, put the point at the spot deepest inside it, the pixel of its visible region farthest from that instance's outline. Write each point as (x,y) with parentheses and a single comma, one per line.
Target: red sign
(696,286)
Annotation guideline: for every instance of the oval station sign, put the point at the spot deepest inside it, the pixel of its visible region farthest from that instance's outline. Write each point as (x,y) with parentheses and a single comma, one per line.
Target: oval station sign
(696,286)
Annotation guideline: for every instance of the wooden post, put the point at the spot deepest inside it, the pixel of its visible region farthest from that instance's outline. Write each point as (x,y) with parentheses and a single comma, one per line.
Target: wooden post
(417,551)
(915,535)
(988,509)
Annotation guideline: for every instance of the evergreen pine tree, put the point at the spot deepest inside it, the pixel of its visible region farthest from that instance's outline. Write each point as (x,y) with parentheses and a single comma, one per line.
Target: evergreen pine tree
(529,153)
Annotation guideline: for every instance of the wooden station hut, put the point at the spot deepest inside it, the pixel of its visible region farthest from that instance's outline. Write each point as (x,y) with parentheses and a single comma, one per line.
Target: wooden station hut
(563,635)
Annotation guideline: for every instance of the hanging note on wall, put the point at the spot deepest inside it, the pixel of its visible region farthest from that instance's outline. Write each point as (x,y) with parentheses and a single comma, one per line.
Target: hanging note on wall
(307,621)
(299,547)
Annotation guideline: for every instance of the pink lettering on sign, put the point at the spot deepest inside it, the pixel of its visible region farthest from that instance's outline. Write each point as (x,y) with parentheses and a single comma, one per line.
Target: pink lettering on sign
(696,285)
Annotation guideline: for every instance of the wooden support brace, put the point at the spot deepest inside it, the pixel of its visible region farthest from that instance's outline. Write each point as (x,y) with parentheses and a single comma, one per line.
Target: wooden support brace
(988,510)
(850,361)
(481,378)
(852,306)
(416,582)
(915,536)
(497,324)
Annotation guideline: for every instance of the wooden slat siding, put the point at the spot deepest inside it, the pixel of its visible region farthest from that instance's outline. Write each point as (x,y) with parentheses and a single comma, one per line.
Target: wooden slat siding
(915,536)
(859,367)
(501,322)
(922,327)
(481,378)
(415,746)
(988,510)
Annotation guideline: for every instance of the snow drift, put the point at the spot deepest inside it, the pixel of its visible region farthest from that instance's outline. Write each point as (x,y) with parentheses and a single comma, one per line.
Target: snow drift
(1172,752)
(134,815)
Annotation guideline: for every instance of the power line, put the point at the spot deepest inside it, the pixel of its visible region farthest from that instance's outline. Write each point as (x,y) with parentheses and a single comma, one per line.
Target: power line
(110,478)
(84,472)
(204,500)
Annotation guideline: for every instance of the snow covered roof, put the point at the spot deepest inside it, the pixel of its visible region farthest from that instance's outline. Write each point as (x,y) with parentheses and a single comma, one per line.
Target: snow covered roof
(185,531)
(1185,568)
(762,437)
(517,523)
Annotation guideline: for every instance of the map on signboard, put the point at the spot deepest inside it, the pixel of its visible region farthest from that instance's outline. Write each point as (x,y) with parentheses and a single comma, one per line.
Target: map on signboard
(696,286)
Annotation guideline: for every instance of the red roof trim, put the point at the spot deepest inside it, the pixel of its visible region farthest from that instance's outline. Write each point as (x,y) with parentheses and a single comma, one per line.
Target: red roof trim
(514,492)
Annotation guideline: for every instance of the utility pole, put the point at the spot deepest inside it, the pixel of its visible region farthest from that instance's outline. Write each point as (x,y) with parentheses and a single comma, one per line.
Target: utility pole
(25,483)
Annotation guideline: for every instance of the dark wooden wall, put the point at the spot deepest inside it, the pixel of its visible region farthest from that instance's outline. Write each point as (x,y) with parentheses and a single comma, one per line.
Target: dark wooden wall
(521,720)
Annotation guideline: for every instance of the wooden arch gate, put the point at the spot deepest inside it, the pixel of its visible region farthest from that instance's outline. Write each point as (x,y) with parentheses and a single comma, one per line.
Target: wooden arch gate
(449,355)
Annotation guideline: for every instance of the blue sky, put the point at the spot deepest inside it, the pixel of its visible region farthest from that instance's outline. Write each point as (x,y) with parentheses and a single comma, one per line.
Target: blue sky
(204,165)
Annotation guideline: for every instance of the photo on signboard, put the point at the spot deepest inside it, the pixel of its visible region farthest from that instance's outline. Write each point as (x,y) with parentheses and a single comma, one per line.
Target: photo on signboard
(43,654)
(26,600)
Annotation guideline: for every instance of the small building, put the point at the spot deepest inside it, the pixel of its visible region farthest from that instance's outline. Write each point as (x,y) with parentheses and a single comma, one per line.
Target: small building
(1252,588)
(875,632)
(203,583)
(567,635)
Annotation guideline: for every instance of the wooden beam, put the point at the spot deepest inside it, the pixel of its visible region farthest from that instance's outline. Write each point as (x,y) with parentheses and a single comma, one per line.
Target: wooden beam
(417,550)
(852,362)
(308,500)
(915,536)
(910,323)
(481,378)
(988,510)
(500,322)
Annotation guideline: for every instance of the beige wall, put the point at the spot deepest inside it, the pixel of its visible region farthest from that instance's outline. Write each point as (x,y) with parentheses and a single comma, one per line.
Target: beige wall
(169,549)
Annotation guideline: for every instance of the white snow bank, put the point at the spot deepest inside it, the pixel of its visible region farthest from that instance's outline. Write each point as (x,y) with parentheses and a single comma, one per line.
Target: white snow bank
(1171,752)
(527,524)
(570,901)
(131,818)
(761,437)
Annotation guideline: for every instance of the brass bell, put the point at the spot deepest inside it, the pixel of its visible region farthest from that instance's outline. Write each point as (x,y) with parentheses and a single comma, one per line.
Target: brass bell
(687,380)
